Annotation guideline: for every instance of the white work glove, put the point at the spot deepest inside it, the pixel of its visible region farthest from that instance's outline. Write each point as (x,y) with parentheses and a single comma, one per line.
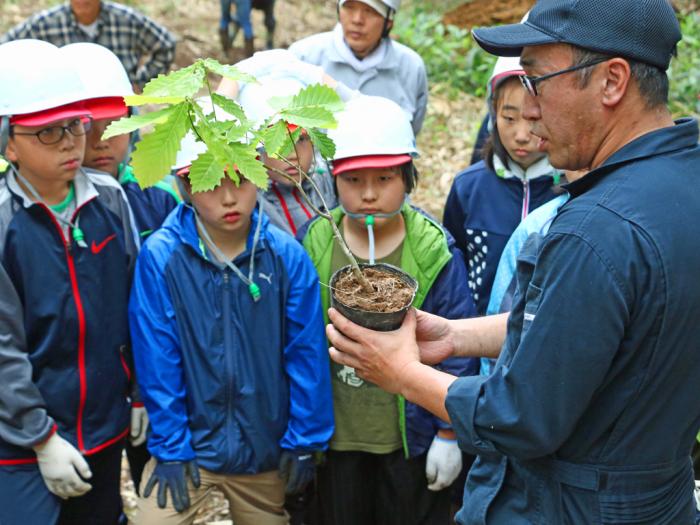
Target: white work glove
(443,463)
(59,464)
(139,425)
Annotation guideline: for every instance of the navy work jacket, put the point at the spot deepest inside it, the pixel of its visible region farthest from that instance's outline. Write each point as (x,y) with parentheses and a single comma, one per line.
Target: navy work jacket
(592,409)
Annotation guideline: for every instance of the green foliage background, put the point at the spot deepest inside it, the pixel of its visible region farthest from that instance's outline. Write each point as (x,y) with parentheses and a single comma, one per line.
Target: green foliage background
(454,60)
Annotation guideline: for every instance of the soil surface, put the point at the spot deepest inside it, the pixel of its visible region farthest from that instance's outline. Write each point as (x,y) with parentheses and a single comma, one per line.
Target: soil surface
(390,293)
(487,13)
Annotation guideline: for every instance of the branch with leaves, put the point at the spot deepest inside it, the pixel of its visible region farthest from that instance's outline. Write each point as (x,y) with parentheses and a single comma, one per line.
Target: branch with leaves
(231,143)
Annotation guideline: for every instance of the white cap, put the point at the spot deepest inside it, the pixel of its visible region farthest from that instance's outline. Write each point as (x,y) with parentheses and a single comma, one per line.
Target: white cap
(36,77)
(380,6)
(372,126)
(100,70)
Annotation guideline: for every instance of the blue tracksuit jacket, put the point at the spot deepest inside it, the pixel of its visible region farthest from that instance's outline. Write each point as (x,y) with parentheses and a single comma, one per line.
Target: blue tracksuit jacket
(226,380)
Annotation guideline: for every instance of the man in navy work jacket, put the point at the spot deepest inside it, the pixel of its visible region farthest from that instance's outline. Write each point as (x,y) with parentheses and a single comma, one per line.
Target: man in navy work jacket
(592,409)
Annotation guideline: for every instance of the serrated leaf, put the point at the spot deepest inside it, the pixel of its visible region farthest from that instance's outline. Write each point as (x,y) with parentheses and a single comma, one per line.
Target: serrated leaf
(229,106)
(134,122)
(230,72)
(289,142)
(156,152)
(280,103)
(206,172)
(244,158)
(141,100)
(274,136)
(323,143)
(184,82)
(309,117)
(318,95)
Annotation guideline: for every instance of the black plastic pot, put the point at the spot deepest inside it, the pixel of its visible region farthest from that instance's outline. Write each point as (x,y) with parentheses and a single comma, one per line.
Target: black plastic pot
(380,321)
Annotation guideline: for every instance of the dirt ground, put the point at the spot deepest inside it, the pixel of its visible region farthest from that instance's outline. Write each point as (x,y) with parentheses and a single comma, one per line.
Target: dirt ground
(487,12)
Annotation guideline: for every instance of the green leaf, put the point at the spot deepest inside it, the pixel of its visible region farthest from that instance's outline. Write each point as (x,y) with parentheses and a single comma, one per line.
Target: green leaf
(280,103)
(317,95)
(156,152)
(141,100)
(184,82)
(134,122)
(324,144)
(244,157)
(289,142)
(309,117)
(206,172)
(230,72)
(229,106)
(274,136)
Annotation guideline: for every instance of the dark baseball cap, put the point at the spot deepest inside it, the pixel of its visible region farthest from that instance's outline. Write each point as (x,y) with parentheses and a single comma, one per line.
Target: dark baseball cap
(643,30)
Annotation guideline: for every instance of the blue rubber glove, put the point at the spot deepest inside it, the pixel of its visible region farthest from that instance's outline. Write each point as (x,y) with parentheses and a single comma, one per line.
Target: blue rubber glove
(298,468)
(173,475)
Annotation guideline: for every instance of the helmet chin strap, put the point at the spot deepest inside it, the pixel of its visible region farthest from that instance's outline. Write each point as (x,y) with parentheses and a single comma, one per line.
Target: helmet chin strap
(369,223)
(4,133)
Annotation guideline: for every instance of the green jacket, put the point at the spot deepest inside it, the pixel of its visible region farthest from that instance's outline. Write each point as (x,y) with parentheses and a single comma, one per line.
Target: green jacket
(427,255)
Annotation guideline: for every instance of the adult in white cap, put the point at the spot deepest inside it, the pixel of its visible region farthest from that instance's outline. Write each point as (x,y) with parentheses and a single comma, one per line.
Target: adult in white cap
(592,409)
(359,53)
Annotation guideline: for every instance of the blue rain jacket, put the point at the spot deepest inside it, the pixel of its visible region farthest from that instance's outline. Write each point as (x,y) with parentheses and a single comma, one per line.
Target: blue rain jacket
(592,409)
(227,380)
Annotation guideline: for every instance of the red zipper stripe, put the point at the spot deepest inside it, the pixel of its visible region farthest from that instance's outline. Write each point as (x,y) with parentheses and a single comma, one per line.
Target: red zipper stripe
(99,448)
(285,209)
(81,321)
(295,192)
(125,366)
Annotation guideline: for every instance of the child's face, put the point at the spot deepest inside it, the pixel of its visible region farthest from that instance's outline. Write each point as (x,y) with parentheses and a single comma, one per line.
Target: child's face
(44,164)
(371,190)
(513,129)
(105,155)
(227,208)
(306,154)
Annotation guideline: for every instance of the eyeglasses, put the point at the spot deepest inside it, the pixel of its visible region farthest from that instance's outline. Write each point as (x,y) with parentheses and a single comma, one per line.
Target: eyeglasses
(530,83)
(55,134)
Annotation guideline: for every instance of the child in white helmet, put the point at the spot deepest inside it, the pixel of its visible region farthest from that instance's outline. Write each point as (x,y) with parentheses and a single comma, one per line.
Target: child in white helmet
(107,83)
(230,351)
(67,246)
(360,54)
(280,74)
(489,199)
(390,461)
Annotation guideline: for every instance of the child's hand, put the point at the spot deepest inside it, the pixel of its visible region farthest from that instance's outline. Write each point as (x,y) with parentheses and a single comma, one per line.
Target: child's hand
(443,464)
(139,425)
(298,468)
(173,475)
(63,467)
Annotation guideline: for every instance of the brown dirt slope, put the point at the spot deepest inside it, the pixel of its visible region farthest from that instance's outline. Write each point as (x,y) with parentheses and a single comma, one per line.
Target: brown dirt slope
(487,13)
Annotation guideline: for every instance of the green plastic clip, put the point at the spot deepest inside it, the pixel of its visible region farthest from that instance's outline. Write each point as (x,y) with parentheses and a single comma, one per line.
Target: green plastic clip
(557,178)
(369,220)
(254,290)
(79,237)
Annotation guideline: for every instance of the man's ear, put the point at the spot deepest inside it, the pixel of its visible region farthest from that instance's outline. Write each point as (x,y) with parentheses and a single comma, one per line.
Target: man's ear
(616,81)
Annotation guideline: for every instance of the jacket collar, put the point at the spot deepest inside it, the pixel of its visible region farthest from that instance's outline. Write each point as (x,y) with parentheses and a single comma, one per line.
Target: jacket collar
(659,142)
(84,189)
(541,168)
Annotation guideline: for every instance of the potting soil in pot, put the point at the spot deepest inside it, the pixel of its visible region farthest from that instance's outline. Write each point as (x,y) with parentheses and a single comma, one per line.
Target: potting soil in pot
(390,293)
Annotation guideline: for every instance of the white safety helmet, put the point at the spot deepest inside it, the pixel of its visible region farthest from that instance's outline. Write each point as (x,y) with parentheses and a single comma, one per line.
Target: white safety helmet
(386,8)
(372,126)
(190,149)
(254,98)
(36,77)
(104,77)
